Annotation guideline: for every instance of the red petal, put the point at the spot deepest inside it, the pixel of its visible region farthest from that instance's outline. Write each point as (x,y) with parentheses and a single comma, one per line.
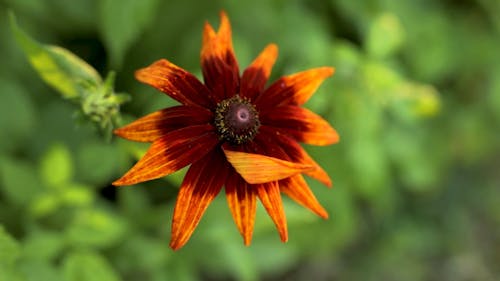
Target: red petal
(256,75)
(300,123)
(269,195)
(297,189)
(175,82)
(218,62)
(295,152)
(202,183)
(171,152)
(152,126)
(257,168)
(242,203)
(294,89)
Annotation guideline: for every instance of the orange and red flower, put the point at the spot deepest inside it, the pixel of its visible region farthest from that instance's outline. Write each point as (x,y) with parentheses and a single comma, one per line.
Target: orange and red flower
(235,133)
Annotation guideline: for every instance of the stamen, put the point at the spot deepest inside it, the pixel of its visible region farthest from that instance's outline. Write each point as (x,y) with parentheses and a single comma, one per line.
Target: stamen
(236,120)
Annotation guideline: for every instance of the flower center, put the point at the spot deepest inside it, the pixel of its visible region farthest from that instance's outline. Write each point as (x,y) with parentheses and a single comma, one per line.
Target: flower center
(236,120)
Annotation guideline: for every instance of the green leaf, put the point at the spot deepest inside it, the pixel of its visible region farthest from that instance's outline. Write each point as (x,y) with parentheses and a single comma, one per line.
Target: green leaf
(417,100)
(18,181)
(43,245)
(45,204)
(88,266)
(56,167)
(122,21)
(58,67)
(36,270)
(95,228)
(98,162)
(77,195)
(9,248)
(385,37)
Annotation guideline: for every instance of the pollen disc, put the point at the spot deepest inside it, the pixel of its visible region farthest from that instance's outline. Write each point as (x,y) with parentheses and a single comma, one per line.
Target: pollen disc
(236,120)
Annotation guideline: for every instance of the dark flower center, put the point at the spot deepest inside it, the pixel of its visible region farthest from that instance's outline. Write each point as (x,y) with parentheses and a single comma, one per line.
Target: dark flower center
(236,120)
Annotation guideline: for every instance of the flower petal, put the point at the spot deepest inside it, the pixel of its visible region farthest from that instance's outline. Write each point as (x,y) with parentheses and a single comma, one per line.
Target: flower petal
(256,75)
(241,198)
(170,153)
(297,189)
(176,82)
(152,126)
(269,195)
(257,168)
(218,62)
(201,185)
(294,89)
(300,123)
(295,152)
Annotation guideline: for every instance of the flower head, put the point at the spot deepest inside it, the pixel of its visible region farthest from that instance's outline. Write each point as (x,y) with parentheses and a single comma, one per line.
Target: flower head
(235,133)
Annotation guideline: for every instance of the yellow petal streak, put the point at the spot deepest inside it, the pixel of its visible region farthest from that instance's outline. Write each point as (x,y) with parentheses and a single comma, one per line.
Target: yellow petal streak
(241,198)
(296,188)
(269,195)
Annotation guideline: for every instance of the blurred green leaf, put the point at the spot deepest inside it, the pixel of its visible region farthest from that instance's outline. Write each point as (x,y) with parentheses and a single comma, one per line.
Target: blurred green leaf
(56,167)
(97,162)
(422,100)
(380,81)
(385,37)
(10,274)
(58,67)
(76,195)
(144,253)
(122,22)
(43,245)
(493,94)
(17,114)
(19,181)
(45,204)
(40,270)
(9,248)
(95,228)
(88,266)
(369,159)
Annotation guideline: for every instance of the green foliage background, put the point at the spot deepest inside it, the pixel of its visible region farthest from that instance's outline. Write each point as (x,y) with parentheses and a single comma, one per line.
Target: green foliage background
(416,100)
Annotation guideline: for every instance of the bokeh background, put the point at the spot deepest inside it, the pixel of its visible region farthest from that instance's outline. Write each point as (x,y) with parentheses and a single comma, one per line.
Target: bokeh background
(416,100)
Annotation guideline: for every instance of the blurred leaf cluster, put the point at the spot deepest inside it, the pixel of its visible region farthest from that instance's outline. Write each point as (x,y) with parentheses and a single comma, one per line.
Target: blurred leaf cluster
(415,98)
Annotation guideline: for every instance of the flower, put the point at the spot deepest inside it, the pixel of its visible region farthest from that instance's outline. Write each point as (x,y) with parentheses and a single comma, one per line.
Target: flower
(235,133)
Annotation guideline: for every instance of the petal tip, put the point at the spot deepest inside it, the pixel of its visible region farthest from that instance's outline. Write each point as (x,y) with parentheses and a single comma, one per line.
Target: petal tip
(329,71)
(174,245)
(223,15)
(118,132)
(247,241)
(119,182)
(273,49)
(284,237)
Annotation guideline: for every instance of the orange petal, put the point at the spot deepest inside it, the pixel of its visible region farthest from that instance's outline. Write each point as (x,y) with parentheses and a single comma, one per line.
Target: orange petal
(242,203)
(218,62)
(296,153)
(256,75)
(269,195)
(301,124)
(294,89)
(201,185)
(170,153)
(297,189)
(175,82)
(257,168)
(152,126)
